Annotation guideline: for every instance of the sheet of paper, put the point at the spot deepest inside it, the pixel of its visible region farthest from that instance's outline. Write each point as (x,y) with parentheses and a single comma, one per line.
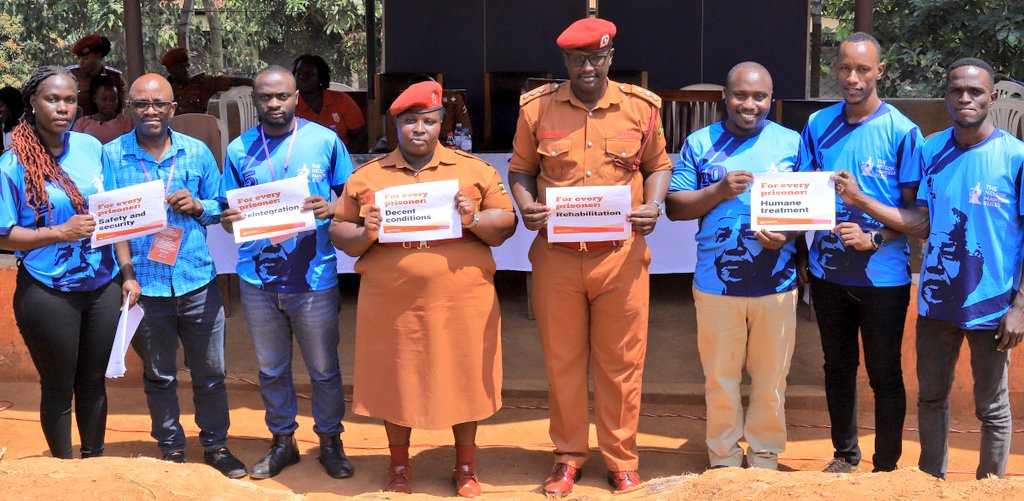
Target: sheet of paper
(419,212)
(271,209)
(127,213)
(127,324)
(589,213)
(788,201)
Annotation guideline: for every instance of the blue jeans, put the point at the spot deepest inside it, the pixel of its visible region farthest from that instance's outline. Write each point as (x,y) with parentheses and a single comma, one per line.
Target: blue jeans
(197,320)
(878,313)
(312,319)
(938,348)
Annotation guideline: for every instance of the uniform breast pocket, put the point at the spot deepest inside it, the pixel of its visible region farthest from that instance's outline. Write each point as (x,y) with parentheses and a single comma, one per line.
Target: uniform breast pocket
(555,158)
(623,153)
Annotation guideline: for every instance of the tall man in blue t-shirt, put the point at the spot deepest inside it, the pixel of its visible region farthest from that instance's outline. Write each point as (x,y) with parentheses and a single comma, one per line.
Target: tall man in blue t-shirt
(745,283)
(860,270)
(289,288)
(971,209)
(179,295)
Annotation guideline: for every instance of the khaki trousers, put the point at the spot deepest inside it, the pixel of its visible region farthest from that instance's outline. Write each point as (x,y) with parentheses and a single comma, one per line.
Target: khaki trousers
(592,308)
(757,333)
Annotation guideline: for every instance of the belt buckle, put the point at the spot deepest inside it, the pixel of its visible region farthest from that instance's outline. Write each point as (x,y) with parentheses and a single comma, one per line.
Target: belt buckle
(583,247)
(406,245)
(423,245)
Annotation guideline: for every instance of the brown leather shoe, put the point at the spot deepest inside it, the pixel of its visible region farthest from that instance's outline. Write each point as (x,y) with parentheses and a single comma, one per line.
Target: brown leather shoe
(398,479)
(466,483)
(561,479)
(623,480)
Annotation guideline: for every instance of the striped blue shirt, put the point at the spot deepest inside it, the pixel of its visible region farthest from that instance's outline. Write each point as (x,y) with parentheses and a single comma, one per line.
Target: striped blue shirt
(195,170)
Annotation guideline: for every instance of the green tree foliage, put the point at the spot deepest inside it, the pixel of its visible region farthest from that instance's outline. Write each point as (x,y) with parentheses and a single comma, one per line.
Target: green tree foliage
(254,33)
(920,38)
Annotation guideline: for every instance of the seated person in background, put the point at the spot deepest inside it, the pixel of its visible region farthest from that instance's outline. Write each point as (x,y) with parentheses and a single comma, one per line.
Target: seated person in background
(193,92)
(108,122)
(10,111)
(332,109)
(91,50)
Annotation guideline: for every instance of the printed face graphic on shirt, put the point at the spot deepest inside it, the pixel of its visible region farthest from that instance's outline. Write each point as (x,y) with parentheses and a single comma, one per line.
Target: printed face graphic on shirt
(833,255)
(743,263)
(952,269)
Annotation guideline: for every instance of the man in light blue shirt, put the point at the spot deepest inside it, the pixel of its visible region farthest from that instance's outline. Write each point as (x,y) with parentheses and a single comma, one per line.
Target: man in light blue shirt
(289,288)
(179,295)
(744,286)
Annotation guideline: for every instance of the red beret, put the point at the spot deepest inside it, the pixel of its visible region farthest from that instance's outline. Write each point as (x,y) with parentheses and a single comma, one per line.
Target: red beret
(91,43)
(421,97)
(174,56)
(587,34)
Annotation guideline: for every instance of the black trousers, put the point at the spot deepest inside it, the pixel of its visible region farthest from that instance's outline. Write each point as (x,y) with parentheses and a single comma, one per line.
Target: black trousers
(69,336)
(878,314)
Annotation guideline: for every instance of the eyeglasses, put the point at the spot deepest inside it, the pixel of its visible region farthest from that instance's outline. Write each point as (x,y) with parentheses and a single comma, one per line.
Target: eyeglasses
(596,59)
(159,106)
(281,96)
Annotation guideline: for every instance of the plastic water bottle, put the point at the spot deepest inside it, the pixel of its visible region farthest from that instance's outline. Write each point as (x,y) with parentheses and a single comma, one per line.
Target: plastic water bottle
(467,143)
(450,141)
(459,135)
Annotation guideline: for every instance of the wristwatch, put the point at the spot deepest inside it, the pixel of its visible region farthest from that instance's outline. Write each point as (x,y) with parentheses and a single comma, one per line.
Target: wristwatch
(660,204)
(474,222)
(877,239)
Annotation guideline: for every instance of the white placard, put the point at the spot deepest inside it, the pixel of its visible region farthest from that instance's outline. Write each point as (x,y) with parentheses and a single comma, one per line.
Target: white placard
(589,213)
(271,209)
(127,324)
(787,201)
(126,213)
(419,212)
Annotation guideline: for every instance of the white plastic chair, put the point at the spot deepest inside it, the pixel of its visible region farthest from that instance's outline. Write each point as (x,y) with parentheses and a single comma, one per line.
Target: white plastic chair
(242,97)
(1008,114)
(340,87)
(1007,89)
(207,128)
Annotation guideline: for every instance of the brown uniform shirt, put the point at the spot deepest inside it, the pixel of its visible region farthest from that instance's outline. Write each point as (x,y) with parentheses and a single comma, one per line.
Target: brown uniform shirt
(563,144)
(194,95)
(84,83)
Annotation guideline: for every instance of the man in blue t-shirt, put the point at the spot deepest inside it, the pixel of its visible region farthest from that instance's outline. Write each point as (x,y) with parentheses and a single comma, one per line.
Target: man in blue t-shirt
(745,282)
(971,209)
(860,276)
(289,286)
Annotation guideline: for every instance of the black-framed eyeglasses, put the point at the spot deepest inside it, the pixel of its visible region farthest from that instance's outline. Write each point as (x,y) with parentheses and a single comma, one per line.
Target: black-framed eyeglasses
(159,106)
(597,59)
(280,96)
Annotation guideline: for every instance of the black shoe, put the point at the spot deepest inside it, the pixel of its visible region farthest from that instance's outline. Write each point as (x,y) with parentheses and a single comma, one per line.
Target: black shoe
(332,456)
(283,452)
(175,457)
(225,462)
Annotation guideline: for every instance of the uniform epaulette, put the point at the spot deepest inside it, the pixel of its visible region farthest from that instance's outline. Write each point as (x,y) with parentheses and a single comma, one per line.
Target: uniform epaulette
(375,160)
(539,91)
(112,70)
(469,155)
(642,93)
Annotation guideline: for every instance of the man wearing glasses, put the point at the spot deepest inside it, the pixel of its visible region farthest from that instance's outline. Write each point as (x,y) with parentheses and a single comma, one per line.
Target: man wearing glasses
(177,290)
(591,298)
(289,286)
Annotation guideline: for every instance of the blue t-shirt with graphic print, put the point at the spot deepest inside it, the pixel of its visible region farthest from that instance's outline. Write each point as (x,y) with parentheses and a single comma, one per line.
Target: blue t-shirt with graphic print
(306,262)
(882,152)
(730,260)
(65,266)
(971,266)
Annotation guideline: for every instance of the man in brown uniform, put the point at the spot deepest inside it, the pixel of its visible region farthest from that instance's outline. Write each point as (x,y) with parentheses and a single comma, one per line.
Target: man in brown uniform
(90,50)
(591,298)
(193,92)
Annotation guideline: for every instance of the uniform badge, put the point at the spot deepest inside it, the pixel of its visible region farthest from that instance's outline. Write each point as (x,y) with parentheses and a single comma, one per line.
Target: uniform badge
(604,41)
(335,117)
(501,186)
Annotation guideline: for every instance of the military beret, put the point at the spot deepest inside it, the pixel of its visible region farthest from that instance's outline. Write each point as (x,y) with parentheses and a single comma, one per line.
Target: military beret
(422,97)
(587,34)
(91,43)
(174,56)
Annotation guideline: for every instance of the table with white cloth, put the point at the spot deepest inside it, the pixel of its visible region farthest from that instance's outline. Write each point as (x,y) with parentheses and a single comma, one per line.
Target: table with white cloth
(673,248)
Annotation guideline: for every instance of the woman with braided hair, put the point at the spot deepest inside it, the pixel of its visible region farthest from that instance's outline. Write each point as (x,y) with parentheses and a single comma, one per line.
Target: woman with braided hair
(66,299)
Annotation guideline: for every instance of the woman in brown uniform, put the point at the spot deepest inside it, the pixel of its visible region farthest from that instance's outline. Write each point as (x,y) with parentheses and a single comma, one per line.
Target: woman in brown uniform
(428,351)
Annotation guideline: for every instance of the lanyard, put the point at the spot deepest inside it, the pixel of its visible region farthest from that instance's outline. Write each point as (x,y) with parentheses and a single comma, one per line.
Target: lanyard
(287,157)
(170,175)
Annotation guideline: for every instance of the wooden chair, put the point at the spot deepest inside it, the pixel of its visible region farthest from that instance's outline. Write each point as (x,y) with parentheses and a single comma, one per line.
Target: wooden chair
(206,128)
(684,111)
(501,104)
(386,88)
(1008,114)
(631,77)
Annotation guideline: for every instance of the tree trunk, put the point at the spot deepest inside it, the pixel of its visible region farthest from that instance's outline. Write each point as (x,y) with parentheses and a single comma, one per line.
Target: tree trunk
(184,21)
(216,38)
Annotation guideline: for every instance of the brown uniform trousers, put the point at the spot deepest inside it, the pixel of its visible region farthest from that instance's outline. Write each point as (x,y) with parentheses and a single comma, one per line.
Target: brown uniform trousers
(591,306)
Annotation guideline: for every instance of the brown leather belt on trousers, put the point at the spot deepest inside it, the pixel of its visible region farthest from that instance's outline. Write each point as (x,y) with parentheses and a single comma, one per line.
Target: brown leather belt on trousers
(423,244)
(591,246)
